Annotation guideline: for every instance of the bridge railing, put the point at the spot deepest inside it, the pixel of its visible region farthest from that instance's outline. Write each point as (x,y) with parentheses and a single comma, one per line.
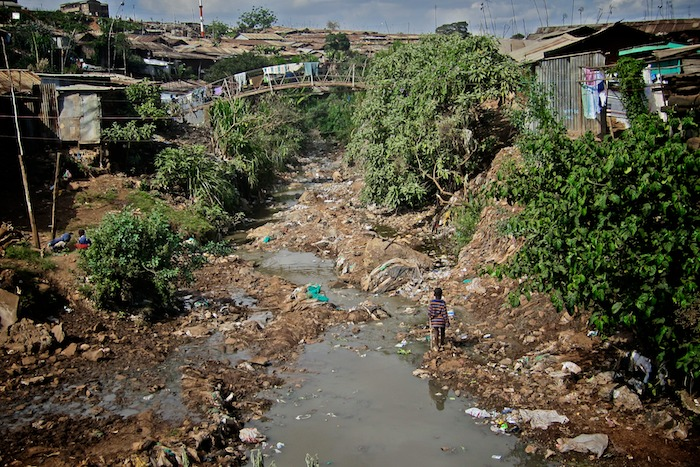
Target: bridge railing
(288,75)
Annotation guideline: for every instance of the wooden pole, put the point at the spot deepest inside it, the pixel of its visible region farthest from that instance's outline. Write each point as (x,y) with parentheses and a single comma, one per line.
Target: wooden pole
(55,194)
(20,153)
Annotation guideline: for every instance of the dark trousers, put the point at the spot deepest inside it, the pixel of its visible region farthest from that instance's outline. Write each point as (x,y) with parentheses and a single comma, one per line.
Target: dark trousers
(437,338)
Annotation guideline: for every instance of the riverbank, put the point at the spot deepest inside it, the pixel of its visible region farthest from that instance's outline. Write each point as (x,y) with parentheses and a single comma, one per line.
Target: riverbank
(94,387)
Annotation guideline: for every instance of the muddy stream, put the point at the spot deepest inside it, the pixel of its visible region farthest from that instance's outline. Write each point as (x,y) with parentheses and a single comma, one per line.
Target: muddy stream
(353,400)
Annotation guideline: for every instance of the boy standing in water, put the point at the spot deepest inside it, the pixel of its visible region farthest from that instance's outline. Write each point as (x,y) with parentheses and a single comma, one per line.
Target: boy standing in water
(437,315)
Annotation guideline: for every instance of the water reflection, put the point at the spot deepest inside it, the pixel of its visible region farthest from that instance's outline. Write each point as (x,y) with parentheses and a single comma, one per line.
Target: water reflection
(437,393)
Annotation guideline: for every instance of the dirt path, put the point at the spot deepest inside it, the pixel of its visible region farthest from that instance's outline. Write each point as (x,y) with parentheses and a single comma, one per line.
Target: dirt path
(85,387)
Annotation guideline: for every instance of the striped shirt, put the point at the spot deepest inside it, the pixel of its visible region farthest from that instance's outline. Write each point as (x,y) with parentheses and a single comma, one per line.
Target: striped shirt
(437,313)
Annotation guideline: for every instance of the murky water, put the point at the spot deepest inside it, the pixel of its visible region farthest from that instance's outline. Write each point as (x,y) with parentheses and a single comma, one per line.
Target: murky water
(355,402)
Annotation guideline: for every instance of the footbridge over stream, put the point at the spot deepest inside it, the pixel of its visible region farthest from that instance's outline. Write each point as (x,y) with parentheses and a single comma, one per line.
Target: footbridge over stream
(314,75)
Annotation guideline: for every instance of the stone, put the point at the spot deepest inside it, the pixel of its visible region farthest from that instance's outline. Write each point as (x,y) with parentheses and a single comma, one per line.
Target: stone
(625,399)
(58,333)
(70,350)
(95,355)
(9,304)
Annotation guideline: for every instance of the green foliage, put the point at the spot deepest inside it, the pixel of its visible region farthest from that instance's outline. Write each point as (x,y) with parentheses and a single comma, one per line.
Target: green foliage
(217,30)
(466,219)
(226,67)
(188,221)
(337,42)
(461,28)
(629,76)
(330,114)
(134,258)
(256,19)
(32,256)
(130,131)
(145,99)
(258,141)
(614,227)
(416,128)
(191,172)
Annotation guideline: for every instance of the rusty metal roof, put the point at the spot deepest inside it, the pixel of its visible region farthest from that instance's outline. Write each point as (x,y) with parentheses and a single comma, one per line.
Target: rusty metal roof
(23,81)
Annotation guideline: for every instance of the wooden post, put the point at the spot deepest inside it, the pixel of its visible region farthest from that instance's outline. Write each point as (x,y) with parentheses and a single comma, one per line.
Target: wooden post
(55,194)
(20,147)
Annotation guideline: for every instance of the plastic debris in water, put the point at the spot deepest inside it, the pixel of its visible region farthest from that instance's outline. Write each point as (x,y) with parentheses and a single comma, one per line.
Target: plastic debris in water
(251,435)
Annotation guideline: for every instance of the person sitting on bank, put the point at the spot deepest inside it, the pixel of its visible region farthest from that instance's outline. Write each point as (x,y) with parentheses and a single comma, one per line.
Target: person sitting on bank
(59,243)
(83,242)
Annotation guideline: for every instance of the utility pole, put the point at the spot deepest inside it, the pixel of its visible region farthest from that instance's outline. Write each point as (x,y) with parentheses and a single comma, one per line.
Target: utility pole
(20,147)
(109,39)
(201,19)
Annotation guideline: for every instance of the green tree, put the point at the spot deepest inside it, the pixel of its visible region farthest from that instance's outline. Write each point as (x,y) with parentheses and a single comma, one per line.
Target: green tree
(461,28)
(256,19)
(421,129)
(135,258)
(336,43)
(217,30)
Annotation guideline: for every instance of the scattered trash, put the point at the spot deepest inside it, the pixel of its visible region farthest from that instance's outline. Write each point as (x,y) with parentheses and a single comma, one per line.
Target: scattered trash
(314,291)
(402,343)
(595,443)
(487,336)
(305,416)
(542,418)
(641,363)
(451,313)
(148,397)
(497,457)
(251,435)
(571,367)
(477,412)
(592,333)
(266,239)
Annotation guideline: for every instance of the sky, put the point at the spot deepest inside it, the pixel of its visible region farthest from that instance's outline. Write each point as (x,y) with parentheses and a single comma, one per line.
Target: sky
(502,18)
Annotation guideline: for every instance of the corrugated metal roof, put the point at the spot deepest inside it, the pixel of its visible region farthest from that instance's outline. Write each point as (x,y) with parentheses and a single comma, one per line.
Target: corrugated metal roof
(260,36)
(536,51)
(677,53)
(650,48)
(23,81)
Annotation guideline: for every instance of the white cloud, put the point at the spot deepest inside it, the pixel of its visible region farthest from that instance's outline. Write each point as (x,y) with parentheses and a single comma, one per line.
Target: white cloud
(406,15)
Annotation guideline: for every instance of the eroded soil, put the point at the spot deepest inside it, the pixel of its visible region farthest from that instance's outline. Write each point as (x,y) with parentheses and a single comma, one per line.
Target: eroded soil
(88,387)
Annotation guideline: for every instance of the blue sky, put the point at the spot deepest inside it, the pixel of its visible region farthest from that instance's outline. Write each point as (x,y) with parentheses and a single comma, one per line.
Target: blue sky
(499,17)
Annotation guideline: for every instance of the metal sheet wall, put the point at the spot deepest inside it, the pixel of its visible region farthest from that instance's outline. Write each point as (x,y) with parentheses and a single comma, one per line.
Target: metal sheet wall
(562,76)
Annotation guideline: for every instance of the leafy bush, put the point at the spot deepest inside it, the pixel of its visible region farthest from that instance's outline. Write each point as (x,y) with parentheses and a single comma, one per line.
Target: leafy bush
(191,172)
(416,129)
(330,114)
(258,141)
(614,227)
(466,219)
(135,258)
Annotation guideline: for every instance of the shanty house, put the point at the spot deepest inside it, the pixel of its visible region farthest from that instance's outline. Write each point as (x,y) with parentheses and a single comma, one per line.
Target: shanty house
(571,65)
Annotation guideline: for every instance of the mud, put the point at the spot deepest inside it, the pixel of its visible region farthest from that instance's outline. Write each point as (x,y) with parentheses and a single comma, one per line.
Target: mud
(112,389)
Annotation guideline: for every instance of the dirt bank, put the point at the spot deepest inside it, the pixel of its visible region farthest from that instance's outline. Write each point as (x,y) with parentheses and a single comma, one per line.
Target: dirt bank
(92,387)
